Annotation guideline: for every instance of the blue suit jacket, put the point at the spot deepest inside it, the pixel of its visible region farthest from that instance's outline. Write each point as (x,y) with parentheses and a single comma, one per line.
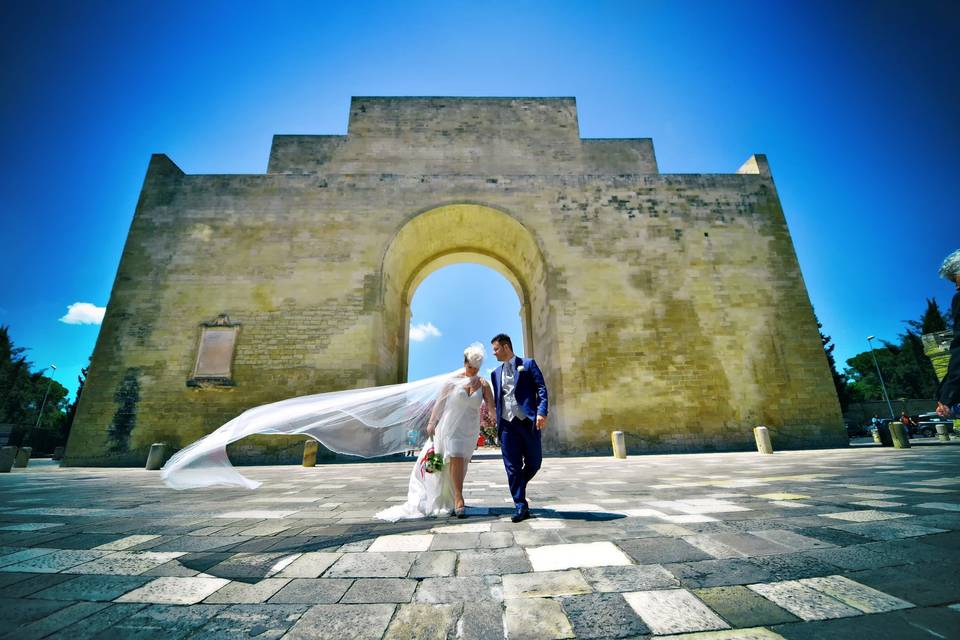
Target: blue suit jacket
(530,390)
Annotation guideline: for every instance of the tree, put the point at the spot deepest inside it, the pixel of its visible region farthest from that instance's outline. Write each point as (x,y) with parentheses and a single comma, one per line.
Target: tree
(22,394)
(932,320)
(840,382)
(907,372)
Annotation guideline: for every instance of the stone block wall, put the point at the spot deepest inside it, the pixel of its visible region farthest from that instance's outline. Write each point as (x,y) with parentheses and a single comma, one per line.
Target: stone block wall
(668,306)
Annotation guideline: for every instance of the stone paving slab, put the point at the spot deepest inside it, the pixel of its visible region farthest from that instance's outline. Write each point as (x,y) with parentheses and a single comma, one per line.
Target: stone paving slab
(703,546)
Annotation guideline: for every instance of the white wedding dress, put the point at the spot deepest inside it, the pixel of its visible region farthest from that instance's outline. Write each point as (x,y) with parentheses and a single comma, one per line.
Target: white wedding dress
(456,434)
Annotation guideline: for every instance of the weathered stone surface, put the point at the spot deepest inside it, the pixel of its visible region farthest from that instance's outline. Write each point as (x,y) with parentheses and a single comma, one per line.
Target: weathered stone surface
(342,622)
(459,589)
(545,583)
(92,587)
(265,622)
(741,607)
(311,591)
(661,550)
(595,238)
(673,611)
(572,556)
(802,601)
(247,592)
(372,565)
(433,564)
(629,578)
(482,562)
(376,590)
(174,590)
(536,619)
(602,615)
(426,621)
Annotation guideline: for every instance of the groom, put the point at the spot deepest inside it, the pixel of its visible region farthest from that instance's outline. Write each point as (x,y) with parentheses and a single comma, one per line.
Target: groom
(521,397)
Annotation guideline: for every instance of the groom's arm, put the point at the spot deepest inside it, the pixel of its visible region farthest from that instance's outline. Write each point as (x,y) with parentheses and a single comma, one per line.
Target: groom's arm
(541,392)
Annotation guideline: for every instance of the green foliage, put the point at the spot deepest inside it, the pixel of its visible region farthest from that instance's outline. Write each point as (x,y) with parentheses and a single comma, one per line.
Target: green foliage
(907,372)
(932,321)
(839,380)
(22,396)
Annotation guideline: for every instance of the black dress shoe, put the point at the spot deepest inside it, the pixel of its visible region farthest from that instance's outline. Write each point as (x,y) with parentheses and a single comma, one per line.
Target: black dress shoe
(522,514)
(461,513)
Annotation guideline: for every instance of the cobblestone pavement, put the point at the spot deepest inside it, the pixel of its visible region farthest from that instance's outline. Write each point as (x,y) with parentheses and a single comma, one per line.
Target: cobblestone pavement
(817,544)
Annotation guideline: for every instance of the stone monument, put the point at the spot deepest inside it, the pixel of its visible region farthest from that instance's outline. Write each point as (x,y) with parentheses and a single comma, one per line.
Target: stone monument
(667,306)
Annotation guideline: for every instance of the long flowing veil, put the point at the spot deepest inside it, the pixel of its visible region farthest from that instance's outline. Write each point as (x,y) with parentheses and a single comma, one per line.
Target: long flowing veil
(371,422)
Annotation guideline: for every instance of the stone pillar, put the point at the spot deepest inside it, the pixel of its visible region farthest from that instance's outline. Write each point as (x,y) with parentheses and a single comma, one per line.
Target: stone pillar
(943,431)
(762,436)
(619,444)
(58,453)
(898,434)
(158,451)
(883,430)
(310,453)
(23,457)
(7,456)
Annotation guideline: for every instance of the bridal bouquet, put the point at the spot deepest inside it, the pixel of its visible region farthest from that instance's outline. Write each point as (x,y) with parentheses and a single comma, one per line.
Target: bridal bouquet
(431,462)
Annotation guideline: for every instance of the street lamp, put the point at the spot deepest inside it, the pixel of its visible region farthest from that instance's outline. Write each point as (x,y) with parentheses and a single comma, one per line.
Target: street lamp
(26,438)
(883,387)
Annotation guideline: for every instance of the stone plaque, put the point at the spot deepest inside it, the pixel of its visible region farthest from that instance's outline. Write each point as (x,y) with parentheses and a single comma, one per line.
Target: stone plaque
(215,353)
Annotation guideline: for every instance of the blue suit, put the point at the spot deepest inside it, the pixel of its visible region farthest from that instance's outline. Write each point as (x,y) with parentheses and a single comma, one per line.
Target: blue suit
(520,438)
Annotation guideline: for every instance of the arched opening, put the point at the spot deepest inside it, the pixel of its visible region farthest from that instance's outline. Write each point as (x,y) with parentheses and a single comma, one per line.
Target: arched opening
(453,234)
(455,305)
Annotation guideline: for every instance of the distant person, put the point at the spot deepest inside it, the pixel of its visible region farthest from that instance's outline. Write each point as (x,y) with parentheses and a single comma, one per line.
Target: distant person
(875,422)
(948,394)
(908,424)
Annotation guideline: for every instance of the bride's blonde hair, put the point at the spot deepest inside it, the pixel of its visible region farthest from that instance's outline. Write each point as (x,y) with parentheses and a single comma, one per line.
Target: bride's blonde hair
(474,354)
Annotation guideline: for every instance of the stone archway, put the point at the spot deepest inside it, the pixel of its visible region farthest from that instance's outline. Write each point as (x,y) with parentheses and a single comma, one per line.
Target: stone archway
(451,234)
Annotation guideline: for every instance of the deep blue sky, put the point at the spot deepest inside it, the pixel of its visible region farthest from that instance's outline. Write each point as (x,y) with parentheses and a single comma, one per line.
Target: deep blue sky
(855,103)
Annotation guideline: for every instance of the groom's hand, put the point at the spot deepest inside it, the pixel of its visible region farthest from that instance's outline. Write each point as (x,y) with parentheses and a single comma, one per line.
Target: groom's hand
(541,423)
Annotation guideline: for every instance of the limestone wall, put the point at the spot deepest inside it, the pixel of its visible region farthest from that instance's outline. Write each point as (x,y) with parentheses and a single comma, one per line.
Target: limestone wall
(667,306)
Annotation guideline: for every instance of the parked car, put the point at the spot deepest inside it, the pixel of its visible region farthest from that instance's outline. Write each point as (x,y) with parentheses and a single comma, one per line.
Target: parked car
(927,424)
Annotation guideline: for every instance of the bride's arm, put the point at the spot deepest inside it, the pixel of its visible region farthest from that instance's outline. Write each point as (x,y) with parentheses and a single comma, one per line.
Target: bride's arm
(488,396)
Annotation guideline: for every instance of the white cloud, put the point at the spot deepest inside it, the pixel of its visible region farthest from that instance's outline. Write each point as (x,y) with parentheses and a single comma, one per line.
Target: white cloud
(420,332)
(83,313)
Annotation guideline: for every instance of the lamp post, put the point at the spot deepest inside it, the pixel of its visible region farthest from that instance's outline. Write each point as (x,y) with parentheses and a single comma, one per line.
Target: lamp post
(26,438)
(883,387)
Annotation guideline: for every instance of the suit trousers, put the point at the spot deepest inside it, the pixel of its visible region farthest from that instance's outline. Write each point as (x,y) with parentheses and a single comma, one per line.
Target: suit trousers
(522,455)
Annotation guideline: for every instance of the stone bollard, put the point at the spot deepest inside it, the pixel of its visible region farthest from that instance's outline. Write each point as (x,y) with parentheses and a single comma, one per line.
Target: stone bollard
(58,453)
(883,430)
(876,436)
(943,432)
(619,445)
(898,434)
(310,453)
(23,457)
(155,460)
(762,436)
(7,456)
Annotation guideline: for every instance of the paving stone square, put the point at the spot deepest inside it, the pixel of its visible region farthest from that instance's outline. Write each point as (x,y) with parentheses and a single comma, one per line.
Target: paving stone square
(725,546)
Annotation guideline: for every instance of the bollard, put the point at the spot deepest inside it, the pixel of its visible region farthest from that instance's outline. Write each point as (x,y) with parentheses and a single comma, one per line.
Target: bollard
(7,456)
(883,430)
(943,432)
(155,459)
(876,436)
(762,436)
(23,457)
(310,453)
(898,434)
(58,453)
(619,445)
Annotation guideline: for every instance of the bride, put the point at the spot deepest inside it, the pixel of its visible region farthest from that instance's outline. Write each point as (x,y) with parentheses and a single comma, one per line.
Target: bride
(454,427)
(368,423)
